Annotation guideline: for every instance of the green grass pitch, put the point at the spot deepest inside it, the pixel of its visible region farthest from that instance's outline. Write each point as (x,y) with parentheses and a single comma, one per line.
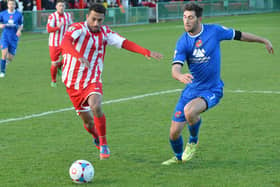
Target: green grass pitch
(239,139)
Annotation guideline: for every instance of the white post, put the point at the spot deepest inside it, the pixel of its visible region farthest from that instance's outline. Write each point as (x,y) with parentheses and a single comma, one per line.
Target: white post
(157,21)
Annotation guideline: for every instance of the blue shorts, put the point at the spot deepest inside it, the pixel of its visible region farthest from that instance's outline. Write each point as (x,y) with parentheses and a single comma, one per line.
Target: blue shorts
(211,97)
(10,43)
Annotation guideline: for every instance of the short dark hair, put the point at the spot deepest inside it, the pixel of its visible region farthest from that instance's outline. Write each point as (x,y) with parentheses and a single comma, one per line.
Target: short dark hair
(97,7)
(60,1)
(194,7)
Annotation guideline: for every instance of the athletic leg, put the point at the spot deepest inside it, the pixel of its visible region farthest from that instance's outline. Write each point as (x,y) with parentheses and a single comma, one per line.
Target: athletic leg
(94,102)
(192,112)
(87,118)
(3,62)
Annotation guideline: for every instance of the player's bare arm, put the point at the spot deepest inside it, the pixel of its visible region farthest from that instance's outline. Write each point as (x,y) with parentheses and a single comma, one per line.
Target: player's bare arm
(84,61)
(248,37)
(133,47)
(19,31)
(2,26)
(67,45)
(178,75)
(60,25)
(155,55)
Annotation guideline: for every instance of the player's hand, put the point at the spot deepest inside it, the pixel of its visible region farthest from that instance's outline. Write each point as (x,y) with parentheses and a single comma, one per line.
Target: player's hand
(269,47)
(60,25)
(18,33)
(185,78)
(155,55)
(85,61)
(2,26)
(122,9)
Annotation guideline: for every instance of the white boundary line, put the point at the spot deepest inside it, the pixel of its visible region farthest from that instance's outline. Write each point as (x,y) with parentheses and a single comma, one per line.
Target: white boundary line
(2,121)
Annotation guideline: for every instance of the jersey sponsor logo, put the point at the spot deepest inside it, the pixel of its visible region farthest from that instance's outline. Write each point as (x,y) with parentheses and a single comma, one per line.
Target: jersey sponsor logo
(198,53)
(199,56)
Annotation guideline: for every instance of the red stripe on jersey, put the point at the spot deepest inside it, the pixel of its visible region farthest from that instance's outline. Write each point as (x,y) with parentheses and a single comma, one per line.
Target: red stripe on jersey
(90,46)
(54,19)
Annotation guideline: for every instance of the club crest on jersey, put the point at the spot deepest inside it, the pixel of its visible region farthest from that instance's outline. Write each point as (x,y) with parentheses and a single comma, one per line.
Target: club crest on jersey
(177,114)
(71,29)
(198,43)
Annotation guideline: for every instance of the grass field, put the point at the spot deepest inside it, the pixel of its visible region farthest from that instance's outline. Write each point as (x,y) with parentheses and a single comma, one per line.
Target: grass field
(239,139)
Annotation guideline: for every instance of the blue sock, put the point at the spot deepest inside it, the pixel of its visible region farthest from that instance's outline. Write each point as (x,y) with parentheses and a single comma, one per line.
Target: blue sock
(177,146)
(3,66)
(194,130)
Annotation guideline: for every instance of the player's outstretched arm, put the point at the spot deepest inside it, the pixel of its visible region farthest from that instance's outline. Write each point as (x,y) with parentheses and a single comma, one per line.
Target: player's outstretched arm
(68,47)
(155,55)
(178,75)
(133,47)
(248,37)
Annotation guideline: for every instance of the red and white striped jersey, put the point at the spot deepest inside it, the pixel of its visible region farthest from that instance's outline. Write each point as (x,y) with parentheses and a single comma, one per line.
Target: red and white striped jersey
(54,20)
(92,47)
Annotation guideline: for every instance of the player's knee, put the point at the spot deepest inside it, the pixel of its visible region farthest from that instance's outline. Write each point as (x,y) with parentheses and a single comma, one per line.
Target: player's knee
(89,123)
(190,115)
(96,109)
(174,134)
(10,58)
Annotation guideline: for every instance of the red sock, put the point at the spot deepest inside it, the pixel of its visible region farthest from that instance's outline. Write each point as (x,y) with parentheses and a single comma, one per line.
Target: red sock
(92,131)
(100,124)
(53,72)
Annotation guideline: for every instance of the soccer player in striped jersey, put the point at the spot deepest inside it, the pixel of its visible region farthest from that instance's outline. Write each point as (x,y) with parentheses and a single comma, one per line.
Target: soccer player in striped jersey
(12,24)
(58,23)
(199,48)
(84,47)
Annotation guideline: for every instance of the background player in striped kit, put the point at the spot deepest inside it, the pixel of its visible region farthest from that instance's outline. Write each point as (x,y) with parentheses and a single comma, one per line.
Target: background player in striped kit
(12,24)
(58,23)
(83,56)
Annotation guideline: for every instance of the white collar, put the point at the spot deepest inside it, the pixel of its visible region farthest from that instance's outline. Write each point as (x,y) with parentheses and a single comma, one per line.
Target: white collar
(11,12)
(194,36)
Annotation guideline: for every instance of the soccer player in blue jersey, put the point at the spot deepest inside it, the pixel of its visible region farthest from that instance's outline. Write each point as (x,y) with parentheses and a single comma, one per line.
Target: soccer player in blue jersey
(199,47)
(12,23)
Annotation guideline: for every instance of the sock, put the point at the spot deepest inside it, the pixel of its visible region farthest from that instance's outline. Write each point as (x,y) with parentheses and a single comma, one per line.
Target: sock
(92,131)
(100,124)
(177,146)
(194,130)
(53,72)
(3,65)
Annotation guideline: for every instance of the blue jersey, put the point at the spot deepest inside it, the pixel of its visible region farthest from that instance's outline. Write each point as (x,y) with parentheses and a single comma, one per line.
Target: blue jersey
(202,54)
(12,22)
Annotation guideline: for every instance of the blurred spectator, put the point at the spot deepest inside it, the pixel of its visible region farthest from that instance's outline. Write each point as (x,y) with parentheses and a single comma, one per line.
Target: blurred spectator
(134,3)
(48,4)
(27,4)
(51,4)
(150,4)
(71,4)
(3,5)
